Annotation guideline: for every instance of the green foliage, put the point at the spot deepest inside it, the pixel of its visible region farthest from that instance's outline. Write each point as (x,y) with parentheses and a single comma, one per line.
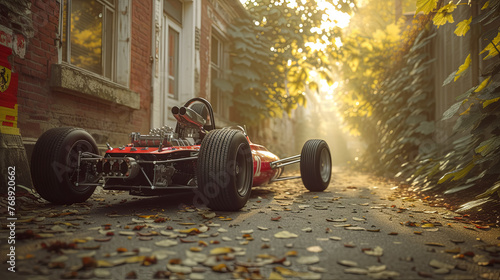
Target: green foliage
(271,56)
(386,97)
(473,161)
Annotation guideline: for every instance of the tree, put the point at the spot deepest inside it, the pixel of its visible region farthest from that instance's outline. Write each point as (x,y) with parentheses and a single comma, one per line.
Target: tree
(274,51)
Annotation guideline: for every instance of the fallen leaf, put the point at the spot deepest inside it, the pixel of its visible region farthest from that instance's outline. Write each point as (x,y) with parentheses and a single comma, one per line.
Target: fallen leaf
(285,234)
(209,215)
(435,244)
(376,268)
(439,264)
(428,225)
(175,268)
(377,251)
(347,263)
(220,268)
(384,275)
(121,250)
(356,270)
(314,249)
(221,250)
(102,273)
(355,228)
(308,259)
(190,231)
(292,253)
(453,251)
(166,243)
(341,220)
(102,239)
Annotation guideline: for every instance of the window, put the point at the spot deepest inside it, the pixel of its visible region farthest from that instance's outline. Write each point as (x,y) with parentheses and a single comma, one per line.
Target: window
(219,103)
(173,63)
(88,36)
(172,22)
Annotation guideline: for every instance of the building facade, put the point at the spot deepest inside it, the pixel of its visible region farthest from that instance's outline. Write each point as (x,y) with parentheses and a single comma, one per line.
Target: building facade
(113,66)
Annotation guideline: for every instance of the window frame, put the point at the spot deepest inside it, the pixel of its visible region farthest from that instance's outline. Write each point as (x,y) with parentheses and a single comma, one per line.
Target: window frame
(221,107)
(170,24)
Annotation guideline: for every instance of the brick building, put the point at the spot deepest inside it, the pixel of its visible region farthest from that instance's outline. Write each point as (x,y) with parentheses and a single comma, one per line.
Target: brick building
(113,66)
(109,66)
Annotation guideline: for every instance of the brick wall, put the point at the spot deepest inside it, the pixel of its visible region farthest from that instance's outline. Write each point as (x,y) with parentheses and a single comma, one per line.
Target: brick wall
(33,92)
(42,108)
(140,73)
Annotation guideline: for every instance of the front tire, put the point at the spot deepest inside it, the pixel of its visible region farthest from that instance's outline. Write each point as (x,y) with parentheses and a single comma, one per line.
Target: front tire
(225,170)
(315,165)
(54,165)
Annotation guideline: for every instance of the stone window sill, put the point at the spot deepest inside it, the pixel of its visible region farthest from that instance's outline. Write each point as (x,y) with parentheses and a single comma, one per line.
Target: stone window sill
(67,78)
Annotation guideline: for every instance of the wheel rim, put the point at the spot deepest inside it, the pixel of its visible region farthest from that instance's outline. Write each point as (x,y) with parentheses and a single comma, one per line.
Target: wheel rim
(72,162)
(325,165)
(241,172)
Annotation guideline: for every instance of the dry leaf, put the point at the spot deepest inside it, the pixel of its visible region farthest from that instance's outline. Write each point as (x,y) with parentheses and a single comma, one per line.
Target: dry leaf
(356,270)
(285,234)
(341,220)
(314,249)
(377,252)
(308,259)
(355,228)
(438,264)
(347,263)
(175,268)
(166,243)
(435,244)
(190,231)
(222,267)
(221,250)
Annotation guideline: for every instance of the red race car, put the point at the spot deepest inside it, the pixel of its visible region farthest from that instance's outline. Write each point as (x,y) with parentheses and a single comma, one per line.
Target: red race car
(220,165)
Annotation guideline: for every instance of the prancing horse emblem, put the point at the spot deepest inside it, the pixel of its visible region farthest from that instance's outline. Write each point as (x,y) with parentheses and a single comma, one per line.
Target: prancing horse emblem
(5,75)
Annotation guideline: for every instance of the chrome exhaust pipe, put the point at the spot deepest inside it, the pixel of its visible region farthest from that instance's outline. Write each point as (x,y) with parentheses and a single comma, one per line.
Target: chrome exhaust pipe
(177,116)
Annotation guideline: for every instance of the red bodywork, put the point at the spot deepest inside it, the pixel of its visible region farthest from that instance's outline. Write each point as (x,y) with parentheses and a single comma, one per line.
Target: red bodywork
(263,173)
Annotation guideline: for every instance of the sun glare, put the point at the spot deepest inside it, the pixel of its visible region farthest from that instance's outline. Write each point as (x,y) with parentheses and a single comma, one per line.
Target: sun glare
(331,19)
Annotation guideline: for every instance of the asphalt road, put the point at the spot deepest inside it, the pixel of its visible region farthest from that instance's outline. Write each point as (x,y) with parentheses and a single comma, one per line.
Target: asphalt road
(356,229)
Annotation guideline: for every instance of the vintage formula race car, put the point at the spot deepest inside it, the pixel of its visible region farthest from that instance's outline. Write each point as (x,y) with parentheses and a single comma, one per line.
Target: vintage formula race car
(220,165)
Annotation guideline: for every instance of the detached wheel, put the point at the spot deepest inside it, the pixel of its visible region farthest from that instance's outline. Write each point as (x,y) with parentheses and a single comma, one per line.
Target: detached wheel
(54,165)
(225,170)
(315,165)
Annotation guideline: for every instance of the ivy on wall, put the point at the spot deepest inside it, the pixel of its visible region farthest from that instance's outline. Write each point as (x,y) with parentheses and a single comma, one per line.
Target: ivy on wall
(473,159)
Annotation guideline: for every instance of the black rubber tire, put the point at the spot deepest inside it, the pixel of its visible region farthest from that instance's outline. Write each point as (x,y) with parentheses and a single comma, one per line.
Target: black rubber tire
(315,165)
(54,163)
(225,170)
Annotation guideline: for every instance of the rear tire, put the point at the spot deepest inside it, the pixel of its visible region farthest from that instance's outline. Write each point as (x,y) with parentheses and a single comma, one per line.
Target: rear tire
(54,164)
(225,170)
(315,165)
